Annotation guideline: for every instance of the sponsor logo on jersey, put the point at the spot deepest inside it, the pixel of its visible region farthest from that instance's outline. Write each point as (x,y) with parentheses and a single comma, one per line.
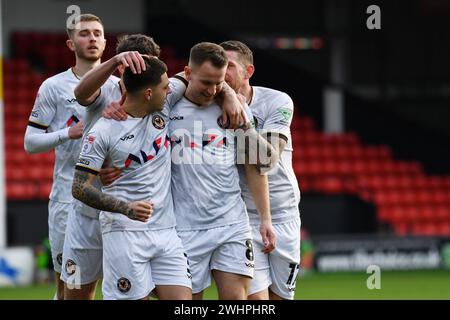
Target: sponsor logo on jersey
(84,161)
(127,137)
(158,122)
(208,139)
(143,157)
(176,118)
(124,285)
(71,100)
(35,113)
(249,265)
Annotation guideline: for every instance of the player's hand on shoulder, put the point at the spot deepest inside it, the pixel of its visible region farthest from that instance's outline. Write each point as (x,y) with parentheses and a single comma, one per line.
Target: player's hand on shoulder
(114,110)
(140,210)
(233,112)
(132,60)
(76,131)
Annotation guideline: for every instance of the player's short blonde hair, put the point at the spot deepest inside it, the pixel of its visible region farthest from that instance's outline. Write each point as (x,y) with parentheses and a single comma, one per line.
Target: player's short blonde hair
(86,17)
(208,51)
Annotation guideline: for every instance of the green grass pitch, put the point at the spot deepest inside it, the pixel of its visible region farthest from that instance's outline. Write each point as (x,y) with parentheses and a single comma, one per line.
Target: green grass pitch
(405,285)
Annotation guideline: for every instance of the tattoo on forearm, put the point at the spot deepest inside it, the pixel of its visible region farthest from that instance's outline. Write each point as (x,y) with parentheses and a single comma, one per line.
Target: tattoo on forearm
(95,198)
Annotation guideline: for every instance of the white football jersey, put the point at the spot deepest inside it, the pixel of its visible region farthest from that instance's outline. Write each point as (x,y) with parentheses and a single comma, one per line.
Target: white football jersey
(140,147)
(205,179)
(56,108)
(94,112)
(273,111)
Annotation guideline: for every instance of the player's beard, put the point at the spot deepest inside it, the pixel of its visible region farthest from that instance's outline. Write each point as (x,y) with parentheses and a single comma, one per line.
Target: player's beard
(88,57)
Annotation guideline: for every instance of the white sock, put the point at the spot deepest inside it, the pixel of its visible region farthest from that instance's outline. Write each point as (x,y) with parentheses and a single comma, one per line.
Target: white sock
(55,297)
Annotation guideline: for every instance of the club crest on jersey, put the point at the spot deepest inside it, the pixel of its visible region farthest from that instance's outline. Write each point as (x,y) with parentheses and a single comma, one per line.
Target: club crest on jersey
(124,285)
(158,122)
(87,144)
(221,124)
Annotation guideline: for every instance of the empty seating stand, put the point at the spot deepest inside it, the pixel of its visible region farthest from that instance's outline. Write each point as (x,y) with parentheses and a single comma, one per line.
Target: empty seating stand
(407,199)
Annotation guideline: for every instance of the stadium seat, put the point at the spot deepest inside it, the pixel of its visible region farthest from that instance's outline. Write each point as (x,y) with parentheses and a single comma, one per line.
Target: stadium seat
(21,191)
(331,185)
(44,189)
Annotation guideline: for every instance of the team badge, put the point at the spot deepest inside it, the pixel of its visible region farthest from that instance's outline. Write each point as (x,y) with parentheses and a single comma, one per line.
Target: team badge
(70,267)
(158,122)
(124,285)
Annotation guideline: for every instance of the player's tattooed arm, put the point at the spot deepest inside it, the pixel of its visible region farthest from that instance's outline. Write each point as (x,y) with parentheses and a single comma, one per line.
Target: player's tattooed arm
(83,190)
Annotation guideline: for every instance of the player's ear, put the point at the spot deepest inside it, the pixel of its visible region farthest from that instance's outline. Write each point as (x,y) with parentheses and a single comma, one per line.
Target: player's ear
(250,70)
(148,94)
(187,73)
(70,45)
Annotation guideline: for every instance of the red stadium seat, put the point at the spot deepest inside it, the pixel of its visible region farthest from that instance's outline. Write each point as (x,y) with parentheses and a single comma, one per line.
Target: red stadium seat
(331,185)
(444,229)
(45,188)
(401,228)
(21,191)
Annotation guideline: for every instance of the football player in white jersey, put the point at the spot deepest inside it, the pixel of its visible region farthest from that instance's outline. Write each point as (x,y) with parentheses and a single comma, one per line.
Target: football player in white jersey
(276,272)
(56,122)
(211,217)
(83,249)
(142,251)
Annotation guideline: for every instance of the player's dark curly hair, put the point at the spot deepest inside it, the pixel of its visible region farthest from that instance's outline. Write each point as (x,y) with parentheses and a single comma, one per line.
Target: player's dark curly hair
(154,69)
(138,42)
